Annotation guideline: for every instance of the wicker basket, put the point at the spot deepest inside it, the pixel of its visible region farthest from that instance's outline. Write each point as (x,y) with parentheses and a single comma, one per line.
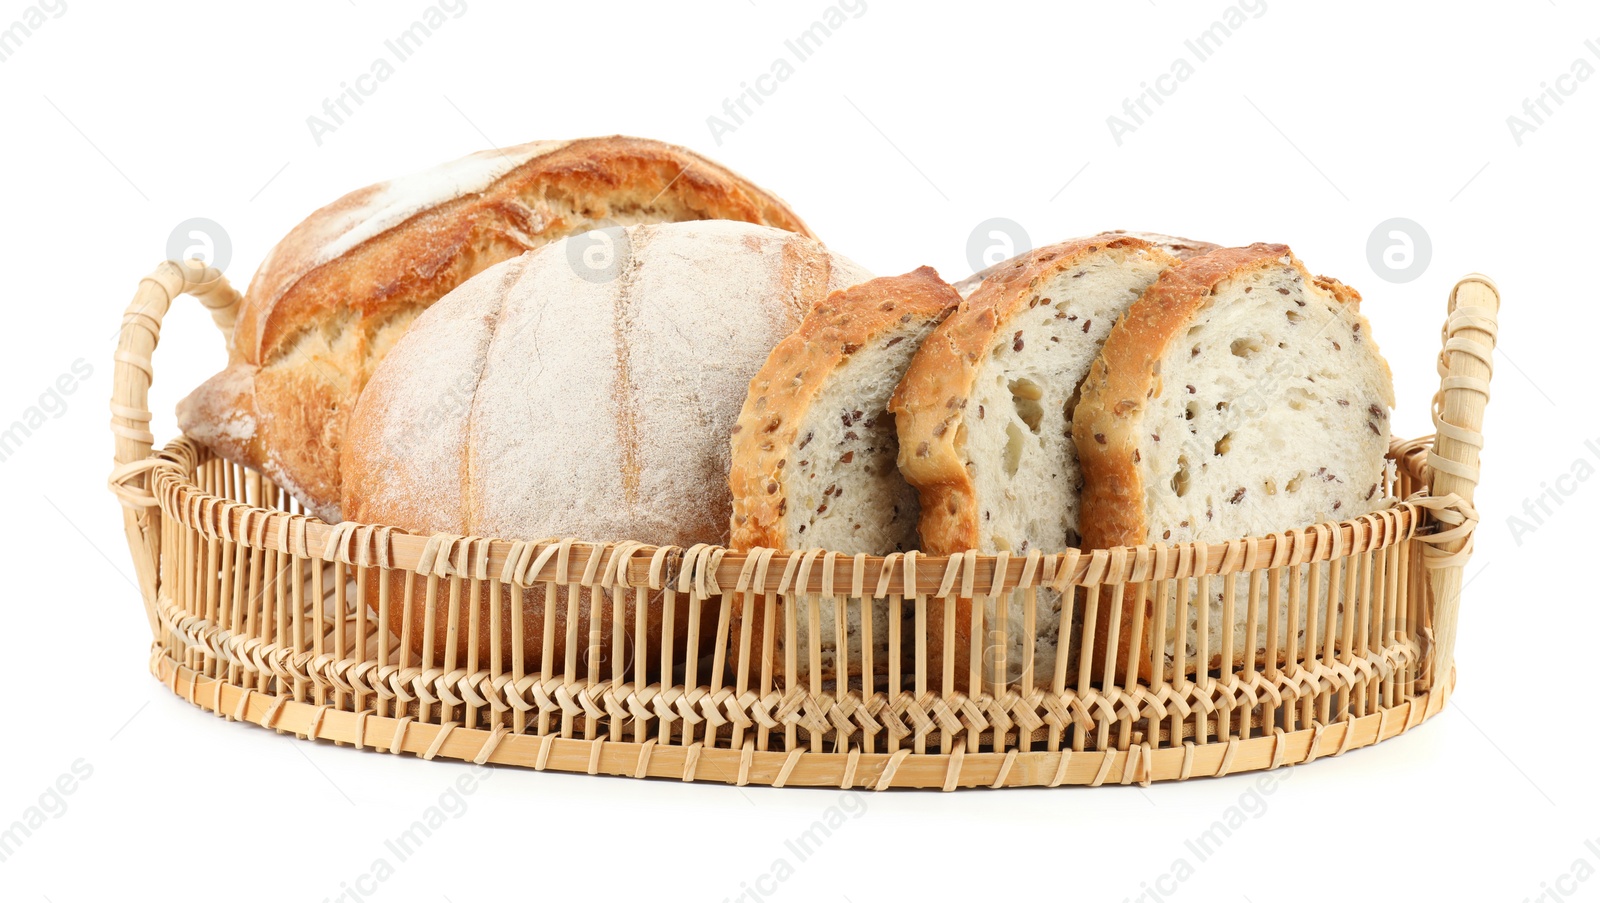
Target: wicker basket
(256,613)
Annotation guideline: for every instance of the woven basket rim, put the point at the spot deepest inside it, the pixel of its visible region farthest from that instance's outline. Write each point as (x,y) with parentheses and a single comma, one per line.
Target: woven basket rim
(714,569)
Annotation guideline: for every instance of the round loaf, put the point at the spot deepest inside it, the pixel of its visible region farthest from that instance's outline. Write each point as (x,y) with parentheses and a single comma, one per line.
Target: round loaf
(336,293)
(587,389)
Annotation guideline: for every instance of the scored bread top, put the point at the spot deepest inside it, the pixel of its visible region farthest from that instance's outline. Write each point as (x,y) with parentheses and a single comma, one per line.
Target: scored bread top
(1108,425)
(797,372)
(410,239)
(336,293)
(534,402)
(930,402)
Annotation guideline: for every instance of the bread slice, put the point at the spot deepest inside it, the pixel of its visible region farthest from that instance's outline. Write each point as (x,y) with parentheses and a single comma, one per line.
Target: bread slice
(1240,396)
(1181,248)
(815,451)
(984,420)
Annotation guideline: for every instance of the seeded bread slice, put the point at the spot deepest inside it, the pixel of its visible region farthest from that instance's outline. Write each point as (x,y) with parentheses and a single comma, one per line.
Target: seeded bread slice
(1240,396)
(814,451)
(984,415)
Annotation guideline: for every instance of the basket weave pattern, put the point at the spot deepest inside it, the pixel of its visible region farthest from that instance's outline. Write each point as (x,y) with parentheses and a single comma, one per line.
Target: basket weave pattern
(257,615)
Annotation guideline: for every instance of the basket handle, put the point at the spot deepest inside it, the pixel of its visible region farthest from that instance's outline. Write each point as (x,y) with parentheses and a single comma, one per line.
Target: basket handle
(1466,364)
(130,400)
(141,330)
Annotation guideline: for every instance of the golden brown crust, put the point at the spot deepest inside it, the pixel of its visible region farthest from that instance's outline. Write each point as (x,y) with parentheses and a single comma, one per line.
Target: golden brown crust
(362,298)
(1344,293)
(931,399)
(424,257)
(1176,245)
(798,369)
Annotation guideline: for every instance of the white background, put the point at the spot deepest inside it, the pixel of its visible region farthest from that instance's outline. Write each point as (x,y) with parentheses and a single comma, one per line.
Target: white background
(910,126)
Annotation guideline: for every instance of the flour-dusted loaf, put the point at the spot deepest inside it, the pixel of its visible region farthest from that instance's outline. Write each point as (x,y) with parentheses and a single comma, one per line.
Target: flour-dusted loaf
(333,296)
(538,401)
(1240,396)
(814,451)
(984,417)
(1181,248)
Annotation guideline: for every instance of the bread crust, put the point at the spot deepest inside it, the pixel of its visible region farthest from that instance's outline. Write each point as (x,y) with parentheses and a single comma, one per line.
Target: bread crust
(796,372)
(1176,245)
(417,258)
(301,402)
(930,401)
(1108,421)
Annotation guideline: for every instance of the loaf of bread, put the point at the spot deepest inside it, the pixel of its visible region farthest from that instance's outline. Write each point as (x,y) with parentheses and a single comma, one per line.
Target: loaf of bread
(1240,396)
(336,293)
(815,449)
(984,415)
(537,400)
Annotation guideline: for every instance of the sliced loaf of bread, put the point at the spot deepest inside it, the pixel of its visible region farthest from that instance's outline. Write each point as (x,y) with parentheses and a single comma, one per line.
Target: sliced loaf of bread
(1239,397)
(984,414)
(815,452)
